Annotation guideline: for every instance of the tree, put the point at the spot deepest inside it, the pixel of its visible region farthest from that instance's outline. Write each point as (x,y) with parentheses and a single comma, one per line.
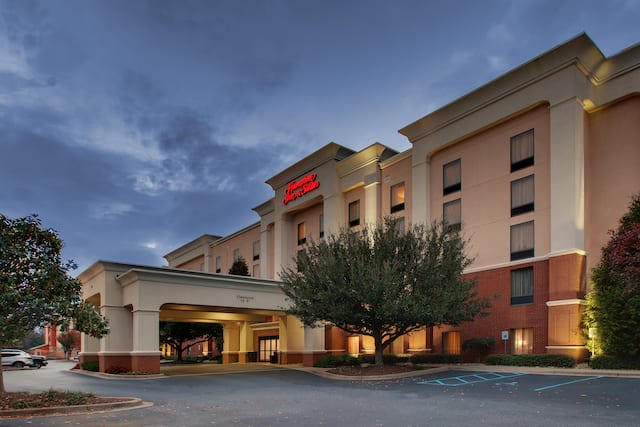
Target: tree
(33,338)
(383,282)
(239,267)
(35,287)
(69,340)
(613,305)
(176,334)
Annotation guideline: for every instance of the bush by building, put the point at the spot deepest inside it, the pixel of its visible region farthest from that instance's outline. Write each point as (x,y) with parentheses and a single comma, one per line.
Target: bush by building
(451,359)
(611,362)
(543,360)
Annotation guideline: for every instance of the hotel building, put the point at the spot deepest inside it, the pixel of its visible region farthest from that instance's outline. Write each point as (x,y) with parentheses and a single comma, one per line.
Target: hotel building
(534,167)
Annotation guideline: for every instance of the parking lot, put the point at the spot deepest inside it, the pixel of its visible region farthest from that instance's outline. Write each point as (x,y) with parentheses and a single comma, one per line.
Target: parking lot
(291,398)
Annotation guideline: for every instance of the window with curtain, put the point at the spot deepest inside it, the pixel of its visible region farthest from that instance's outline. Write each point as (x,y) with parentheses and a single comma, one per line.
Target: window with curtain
(522,150)
(522,286)
(218,264)
(522,241)
(452,214)
(522,341)
(256,249)
(302,233)
(397,197)
(451,177)
(236,255)
(321,225)
(522,195)
(354,213)
(256,270)
(451,342)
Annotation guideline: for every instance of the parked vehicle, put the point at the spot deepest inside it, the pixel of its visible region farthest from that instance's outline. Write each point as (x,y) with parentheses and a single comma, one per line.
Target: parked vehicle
(16,358)
(39,361)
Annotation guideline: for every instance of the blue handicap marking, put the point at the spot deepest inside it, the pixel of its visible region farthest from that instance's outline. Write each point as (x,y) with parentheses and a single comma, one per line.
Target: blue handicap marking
(473,379)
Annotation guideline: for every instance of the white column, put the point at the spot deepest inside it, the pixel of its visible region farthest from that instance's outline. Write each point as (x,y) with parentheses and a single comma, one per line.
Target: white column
(372,203)
(420,193)
(283,252)
(266,267)
(567,175)
(146,332)
(120,338)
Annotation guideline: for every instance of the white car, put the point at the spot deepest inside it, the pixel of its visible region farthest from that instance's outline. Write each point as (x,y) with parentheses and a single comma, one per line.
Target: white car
(16,358)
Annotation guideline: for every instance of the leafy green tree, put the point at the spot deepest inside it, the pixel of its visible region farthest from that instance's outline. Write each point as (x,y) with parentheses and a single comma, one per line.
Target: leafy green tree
(239,267)
(613,305)
(383,282)
(33,338)
(69,340)
(35,286)
(177,334)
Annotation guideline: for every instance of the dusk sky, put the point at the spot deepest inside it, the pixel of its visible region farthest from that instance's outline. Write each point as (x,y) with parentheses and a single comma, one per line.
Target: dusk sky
(132,127)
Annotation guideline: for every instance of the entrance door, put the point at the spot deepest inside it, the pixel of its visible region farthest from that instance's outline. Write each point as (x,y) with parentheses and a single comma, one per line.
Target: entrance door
(266,347)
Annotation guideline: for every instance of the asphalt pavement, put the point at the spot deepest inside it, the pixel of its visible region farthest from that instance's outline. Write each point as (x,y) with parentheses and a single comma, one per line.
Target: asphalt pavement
(275,396)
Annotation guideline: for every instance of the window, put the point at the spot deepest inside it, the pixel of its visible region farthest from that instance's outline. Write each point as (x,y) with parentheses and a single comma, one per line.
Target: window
(354,213)
(522,195)
(267,348)
(451,177)
(218,264)
(522,286)
(451,342)
(452,214)
(522,241)
(256,250)
(236,255)
(302,234)
(256,270)
(397,197)
(522,150)
(321,226)
(522,341)
(400,224)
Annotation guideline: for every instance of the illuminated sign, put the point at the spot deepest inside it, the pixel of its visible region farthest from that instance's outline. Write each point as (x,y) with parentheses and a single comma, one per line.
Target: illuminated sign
(299,188)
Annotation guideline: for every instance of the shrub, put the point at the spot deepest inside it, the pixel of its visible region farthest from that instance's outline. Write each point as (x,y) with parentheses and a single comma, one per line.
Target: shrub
(611,362)
(387,359)
(335,361)
(92,366)
(435,358)
(545,360)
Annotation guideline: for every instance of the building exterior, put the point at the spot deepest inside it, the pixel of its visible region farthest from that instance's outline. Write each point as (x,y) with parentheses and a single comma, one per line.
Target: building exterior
(534,166)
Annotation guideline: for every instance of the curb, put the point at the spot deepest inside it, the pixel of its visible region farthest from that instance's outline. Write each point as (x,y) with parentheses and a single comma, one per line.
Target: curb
(129,403)
(323,372)
(106,376)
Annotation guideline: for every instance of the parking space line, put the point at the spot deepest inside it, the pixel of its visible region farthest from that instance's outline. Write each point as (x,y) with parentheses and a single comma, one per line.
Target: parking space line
(471,379)
(567,383)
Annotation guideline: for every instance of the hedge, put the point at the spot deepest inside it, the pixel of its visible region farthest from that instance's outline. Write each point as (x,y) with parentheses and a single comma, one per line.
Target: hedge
(611,362)
(387,359)
(92,366)
(545,360)
(335,361)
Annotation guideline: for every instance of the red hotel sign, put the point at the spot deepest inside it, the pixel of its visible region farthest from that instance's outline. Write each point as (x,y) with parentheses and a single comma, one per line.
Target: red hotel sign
(299,188)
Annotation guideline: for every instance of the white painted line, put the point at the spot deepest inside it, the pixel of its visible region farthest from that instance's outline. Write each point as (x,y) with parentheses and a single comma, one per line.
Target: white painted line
(567,383)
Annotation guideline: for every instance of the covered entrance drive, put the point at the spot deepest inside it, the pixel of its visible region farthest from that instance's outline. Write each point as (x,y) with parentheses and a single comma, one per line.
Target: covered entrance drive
(136,298)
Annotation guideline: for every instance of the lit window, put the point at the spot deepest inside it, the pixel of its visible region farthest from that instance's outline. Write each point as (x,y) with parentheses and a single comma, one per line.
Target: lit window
(218,264)
(451,177)
(522,341)
(452,214)
(522,286)
(522,240)
(256,250)
(522,195)
(451,342)
(522,150)
(236,255)
(354,213)
(397,197)
(302,234)
(321,225)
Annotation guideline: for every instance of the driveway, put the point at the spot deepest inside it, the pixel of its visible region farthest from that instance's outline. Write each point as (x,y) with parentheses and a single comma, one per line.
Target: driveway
(284,397)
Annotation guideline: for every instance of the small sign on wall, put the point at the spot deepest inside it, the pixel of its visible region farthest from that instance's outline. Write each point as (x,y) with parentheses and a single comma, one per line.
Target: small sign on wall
(505,335)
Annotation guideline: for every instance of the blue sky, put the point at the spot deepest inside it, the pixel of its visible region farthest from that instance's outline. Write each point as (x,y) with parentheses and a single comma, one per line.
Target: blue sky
(132,127)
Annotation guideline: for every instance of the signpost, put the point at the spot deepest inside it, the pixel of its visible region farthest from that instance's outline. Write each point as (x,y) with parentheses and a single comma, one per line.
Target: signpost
(505,337)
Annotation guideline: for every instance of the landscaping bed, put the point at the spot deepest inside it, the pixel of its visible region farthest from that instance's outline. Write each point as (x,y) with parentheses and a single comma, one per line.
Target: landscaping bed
(52,398)
(371,370)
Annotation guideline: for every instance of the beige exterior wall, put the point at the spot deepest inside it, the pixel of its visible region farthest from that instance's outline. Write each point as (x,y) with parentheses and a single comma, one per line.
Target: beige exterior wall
(486,187)
(241,241)
(612,170)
